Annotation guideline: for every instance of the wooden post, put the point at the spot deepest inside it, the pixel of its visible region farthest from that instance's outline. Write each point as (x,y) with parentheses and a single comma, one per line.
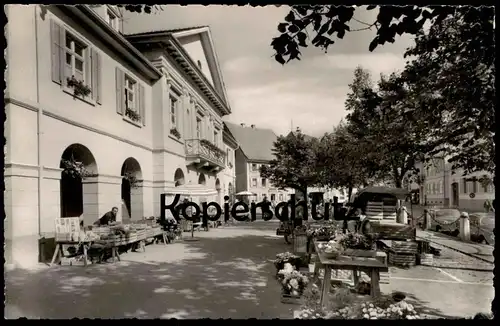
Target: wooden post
(375,283)
(327,279)
(464,227)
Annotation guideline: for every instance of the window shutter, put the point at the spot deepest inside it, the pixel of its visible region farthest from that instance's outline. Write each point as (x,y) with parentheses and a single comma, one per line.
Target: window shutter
(96,76)
(57,42)
(142,105)
(88,78)
(120,94)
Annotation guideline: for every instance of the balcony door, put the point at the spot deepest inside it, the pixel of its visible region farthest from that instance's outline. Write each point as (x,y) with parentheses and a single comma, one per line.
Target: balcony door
(198,127)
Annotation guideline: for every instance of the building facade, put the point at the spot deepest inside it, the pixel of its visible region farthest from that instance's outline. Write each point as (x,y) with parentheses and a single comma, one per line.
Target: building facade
(255,150)
(229,176)
(442,186)
(96,119)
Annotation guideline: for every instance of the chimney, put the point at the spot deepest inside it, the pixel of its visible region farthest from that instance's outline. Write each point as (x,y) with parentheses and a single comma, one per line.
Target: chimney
(253,126)
(242,124)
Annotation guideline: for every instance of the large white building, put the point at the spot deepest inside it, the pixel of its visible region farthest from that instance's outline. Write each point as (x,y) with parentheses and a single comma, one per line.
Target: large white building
(97,119)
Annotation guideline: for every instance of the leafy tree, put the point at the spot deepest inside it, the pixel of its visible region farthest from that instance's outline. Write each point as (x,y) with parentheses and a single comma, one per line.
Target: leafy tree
(393,141)
(295,164)
(454,73)
(342,161)
(329,21)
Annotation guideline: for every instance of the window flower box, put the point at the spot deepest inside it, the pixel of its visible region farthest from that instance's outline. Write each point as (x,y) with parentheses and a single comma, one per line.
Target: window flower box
(132,115)
(79,88)
(174,132)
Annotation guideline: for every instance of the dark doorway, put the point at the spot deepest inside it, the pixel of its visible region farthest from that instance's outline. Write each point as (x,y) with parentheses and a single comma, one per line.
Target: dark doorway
(455,194)
(77,163)
(131,189)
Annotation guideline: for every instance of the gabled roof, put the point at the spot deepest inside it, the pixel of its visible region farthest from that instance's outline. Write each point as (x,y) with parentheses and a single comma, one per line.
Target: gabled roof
(208,46)
(256,143)
(211,55)
(175,50)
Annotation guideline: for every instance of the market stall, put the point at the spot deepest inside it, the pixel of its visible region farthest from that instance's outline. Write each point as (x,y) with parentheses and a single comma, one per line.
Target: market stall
(102,239)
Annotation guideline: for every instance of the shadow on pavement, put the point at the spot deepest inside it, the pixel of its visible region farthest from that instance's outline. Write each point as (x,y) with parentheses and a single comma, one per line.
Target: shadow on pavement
(220,278)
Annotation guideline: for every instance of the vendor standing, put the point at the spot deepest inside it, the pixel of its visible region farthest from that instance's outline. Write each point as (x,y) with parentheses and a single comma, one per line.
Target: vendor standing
(108,218)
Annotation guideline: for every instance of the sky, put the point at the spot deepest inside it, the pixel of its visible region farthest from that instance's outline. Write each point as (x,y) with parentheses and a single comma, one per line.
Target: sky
(309,94)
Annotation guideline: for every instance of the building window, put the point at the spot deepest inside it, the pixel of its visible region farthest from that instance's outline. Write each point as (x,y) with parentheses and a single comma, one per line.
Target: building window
(273,197)
(464,185)
(441,187)
(474,186)
(254,167)
(433,188)
(130,94)
(173,111)
(254,182)
(264,182)
(281,197)
(199,64)
(75,58)
(198,128)
(112,20)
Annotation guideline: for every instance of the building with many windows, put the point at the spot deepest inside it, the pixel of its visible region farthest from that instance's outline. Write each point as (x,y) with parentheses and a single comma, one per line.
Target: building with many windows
(442,186)
(255,150)
(97,119)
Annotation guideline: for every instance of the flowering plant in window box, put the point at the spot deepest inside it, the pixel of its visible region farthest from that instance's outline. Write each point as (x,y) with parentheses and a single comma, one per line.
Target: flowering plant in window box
(130,177)
(175,133)
(75,169)
(134,116)
(79,88)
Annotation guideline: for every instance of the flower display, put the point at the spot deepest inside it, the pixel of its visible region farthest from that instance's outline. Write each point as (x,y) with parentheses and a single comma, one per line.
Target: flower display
(293,282)
(285,257)
(353,240)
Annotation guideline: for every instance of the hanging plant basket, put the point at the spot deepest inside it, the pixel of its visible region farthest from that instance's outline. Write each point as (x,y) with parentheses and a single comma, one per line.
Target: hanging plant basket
(75,169)
(134,116)
(79,88)
(175,133)
(130,177)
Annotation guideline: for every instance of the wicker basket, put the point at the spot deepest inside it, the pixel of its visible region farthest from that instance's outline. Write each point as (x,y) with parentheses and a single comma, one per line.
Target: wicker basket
(405,247)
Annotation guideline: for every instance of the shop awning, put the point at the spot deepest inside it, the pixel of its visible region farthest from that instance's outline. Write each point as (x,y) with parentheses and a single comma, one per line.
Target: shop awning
(191,191)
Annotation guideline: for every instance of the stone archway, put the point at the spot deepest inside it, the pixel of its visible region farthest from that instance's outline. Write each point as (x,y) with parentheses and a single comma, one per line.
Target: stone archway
(77,197)
(179,178)
(131,190)
(201,179)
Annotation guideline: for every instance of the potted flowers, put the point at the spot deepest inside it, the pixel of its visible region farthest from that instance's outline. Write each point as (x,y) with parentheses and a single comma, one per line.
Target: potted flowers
(134,116)
(286,257)
(79,88)
(293,285)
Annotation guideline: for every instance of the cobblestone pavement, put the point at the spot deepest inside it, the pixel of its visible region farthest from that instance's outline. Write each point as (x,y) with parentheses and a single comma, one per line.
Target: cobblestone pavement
(227,273)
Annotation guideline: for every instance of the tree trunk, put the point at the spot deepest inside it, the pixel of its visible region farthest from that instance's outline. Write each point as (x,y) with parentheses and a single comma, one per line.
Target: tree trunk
(349,193)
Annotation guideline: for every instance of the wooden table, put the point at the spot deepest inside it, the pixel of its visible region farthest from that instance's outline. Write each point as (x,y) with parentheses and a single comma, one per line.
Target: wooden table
(370,265)
(59,250)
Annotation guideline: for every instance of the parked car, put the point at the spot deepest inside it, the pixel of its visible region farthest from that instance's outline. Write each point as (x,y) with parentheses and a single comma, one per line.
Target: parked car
(445,220)
(482,227)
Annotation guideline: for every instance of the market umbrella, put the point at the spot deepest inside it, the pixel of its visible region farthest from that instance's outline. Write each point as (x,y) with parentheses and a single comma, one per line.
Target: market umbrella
(245,193)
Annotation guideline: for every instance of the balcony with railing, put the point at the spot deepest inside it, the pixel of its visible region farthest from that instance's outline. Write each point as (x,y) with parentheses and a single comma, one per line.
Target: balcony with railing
(205,154)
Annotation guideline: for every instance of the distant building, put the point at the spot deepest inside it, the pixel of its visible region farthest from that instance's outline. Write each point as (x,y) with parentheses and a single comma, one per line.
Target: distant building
(255,150)
(440,185)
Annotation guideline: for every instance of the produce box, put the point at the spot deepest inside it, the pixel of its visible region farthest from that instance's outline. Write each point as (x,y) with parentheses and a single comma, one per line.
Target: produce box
(405,247)
(403,260)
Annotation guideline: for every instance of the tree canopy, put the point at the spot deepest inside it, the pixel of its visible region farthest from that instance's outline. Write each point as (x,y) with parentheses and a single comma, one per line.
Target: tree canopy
(295,163)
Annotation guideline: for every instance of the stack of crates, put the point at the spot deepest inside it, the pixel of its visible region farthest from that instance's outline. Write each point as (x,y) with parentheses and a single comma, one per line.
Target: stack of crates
(403,253)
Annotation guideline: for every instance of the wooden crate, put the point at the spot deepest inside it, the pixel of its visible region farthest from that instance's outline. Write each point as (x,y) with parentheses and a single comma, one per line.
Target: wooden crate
(385,277)
(290,299)
(389,212)
(374,211)
(405,247)
(425,259)
(300,244)
(404,260)
(359,253)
